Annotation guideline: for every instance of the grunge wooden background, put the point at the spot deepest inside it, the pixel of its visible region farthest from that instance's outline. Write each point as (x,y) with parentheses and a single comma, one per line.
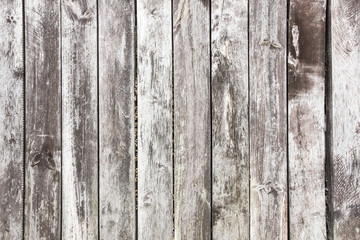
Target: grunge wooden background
(182,119)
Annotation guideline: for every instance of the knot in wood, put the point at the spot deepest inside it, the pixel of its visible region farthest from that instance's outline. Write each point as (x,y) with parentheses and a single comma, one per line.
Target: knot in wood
(45,158)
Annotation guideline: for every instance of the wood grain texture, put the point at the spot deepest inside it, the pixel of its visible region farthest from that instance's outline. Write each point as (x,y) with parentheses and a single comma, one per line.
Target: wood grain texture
(268,120)
(345,155)
(116,119)
(43,120)
(191,30)
(229,22)
(80,122)
(11,119)
(155,170)
(306,117)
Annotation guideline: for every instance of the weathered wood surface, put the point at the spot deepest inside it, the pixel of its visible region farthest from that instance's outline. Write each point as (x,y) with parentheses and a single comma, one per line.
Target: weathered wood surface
(191,30)
(345,101)
(229,41)
(80,122)
(43,120)
(11,119)
(306,117)
(116,119)
(155,171)
(268,120)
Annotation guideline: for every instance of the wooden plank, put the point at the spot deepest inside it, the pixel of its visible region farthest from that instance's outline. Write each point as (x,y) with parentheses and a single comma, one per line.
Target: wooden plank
(268,120)
(230,119)
(155,185)
(80,122)
(11,120)
(345,101)
(43,120)
(191,20)
(116,119)
(306,117)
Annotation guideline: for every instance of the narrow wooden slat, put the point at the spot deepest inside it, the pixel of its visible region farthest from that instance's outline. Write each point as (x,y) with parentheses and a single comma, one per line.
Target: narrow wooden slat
(116,119)
(80,123)
(11,119)
(345,59)
(268,120)
(191,30)
(155,185)
(306,117)
(230,181)
(43,120)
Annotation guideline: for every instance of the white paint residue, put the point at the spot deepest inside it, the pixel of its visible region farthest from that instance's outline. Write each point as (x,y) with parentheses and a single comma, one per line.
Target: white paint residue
(295,35)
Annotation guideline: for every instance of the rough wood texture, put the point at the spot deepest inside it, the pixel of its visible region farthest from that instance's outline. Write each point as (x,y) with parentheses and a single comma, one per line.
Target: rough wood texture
(43,120)
(268,120)
(11,119)
(155,186)
(80,123)
(191,29)
(306,116)
(230,119)
(116,119)
(345,55)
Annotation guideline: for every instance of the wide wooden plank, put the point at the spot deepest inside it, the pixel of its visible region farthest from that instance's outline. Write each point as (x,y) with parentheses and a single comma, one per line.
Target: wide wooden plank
(116,119)
(229,40)
(306,117)
(268,120)
(11,119)
(43,120)
(191,30)
(80,122)
(155,170)
(345,106)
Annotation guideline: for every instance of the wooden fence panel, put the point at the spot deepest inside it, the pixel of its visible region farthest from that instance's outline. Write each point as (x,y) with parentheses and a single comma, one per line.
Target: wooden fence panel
(268,120)
(11,119)
(183,119)
(155,170)
(229,39)
(345,124)
(306,117)
(191,30)
(116,119)
(43,120)
(80,120)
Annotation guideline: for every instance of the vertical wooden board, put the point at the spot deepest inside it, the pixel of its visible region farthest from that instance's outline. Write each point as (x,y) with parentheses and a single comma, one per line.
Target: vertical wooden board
(345,58)
(268,120)
(229,22)
(306,117)
(80,122)
(116,119)
(155,172)
(191,30)
(11,119)
(43,120)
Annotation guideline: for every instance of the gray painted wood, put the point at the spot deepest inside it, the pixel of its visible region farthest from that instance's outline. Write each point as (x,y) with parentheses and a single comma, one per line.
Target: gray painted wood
(191,29)
(345,101)
(116,119)
(306,117)
(155,170)
(80,123)
(43,120)
(230,180)
(268,120)
(11,119)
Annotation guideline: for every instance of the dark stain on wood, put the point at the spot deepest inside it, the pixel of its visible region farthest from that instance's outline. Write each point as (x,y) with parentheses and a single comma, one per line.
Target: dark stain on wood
(306,46)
